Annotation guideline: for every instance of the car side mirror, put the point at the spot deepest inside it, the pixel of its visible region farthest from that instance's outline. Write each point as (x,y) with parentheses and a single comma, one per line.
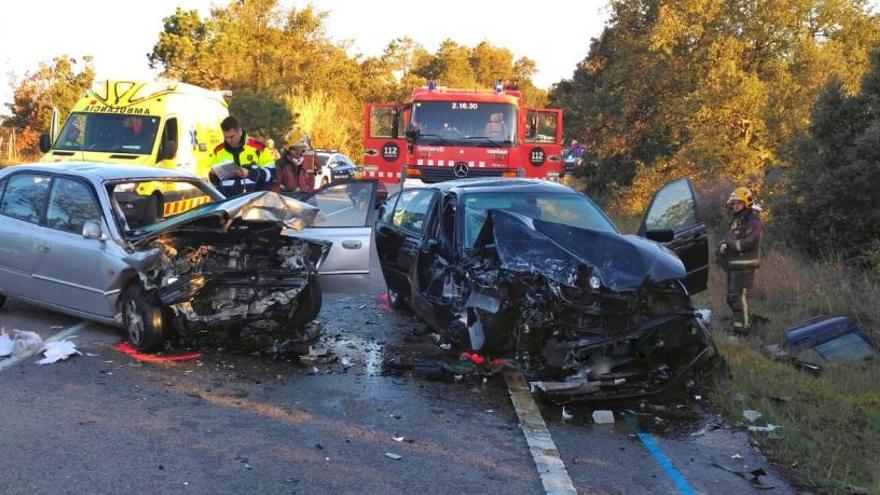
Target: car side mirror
(412,131)
(168,150)
(660,235)
(45,142)
(92,230)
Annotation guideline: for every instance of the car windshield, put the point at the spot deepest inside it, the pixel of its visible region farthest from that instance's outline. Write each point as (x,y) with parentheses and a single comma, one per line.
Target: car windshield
(465,122)
(108,133)
(143,203)
(568,209)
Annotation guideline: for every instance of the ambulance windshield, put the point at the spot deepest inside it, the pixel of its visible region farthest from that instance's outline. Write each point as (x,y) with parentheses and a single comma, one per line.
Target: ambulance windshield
(108,133)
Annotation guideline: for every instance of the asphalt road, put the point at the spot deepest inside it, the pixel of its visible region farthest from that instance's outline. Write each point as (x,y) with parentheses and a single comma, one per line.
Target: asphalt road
(235,422)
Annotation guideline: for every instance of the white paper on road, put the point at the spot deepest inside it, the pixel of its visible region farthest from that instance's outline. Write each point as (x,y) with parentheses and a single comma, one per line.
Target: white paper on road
(26,341)
(5,345)
(58,350)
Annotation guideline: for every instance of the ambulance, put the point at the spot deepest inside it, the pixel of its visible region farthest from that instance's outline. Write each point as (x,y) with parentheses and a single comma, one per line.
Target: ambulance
(158,123)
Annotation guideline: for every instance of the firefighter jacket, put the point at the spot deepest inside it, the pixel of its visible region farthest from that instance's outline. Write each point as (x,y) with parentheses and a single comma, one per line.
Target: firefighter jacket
(252,155)
(743,240)
(296,174)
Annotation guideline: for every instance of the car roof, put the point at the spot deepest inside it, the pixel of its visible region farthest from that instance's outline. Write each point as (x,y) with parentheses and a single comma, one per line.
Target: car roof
(500,184)
(103,171)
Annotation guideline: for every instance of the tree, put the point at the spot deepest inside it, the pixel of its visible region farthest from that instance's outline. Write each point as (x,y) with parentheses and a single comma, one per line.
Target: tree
(711,89)
(830,206)
(261,114)
(56,84)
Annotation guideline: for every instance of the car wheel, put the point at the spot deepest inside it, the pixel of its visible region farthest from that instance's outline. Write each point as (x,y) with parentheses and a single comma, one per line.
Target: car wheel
(142,320)
(396,301)
(325,181)
(310,301)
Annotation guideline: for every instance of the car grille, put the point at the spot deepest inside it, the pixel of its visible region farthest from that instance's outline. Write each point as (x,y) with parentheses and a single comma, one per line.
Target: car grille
(439,174)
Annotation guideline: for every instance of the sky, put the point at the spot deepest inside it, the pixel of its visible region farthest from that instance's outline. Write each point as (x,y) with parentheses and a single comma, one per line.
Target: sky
(118,34)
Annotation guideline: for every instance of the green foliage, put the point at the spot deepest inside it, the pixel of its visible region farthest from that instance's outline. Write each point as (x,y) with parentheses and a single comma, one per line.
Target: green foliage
(261,114)
(266,53)
(56,84)
(831,202)
(711,89)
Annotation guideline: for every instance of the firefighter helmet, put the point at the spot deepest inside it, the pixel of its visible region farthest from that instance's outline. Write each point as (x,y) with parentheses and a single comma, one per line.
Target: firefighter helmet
(743,194)
(297,140)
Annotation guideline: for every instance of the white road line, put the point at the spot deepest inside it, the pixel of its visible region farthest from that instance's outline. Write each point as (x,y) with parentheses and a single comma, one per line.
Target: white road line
(12,361)
(554,477)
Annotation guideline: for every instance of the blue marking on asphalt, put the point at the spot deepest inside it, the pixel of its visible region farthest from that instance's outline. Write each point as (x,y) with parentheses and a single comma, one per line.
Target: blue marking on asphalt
(660,456)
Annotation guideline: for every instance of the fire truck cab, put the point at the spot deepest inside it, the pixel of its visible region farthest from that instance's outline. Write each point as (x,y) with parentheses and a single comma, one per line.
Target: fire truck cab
(442,134)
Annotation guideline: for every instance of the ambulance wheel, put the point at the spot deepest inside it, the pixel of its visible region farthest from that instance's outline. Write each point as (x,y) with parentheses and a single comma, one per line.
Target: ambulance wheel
(142,320)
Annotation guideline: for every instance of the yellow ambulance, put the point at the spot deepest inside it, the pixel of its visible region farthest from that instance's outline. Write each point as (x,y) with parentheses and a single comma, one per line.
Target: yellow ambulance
(157,123)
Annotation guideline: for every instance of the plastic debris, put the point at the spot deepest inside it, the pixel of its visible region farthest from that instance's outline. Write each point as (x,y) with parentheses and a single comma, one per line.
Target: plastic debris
(57,351)
(566,415)
(603,417)
(753,476)
(396,457)
(398,439)
(751,415)
(770,428)
(5,345)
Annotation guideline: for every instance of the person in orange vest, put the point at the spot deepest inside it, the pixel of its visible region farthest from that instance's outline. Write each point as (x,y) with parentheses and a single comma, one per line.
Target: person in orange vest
(255,163)
(741,251)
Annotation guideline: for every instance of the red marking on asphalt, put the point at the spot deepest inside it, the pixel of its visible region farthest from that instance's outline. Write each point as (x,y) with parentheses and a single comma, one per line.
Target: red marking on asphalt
(383,303)
(128,350)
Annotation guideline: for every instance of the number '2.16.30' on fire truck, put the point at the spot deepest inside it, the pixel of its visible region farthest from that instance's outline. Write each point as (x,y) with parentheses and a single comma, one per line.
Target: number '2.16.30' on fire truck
(443,134)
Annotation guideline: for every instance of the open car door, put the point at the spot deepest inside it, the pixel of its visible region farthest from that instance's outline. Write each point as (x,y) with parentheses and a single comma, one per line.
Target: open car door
(384,145)
(346,207)
(672,218)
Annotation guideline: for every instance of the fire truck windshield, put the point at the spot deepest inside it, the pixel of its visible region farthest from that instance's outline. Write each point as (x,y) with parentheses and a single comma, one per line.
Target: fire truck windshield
(465,123)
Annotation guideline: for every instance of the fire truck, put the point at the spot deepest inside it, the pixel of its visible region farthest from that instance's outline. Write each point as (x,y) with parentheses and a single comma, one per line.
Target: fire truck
(441,134)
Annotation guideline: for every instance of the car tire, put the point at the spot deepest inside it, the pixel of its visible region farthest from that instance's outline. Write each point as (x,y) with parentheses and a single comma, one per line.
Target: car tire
(142,320)
(310,301)
(396,301)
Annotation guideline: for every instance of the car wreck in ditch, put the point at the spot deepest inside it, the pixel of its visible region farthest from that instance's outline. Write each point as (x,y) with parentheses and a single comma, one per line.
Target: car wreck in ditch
(535,271)
(160,252)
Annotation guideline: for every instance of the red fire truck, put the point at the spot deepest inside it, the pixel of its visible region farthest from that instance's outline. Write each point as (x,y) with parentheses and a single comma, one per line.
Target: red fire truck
(441,134)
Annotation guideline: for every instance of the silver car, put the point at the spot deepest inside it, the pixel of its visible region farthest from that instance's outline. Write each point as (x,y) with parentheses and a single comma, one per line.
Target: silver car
(157,251)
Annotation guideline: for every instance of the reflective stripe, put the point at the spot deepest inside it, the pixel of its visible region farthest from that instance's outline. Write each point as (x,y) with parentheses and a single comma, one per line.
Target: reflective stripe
(738,246)
(745,302)
(270,171)
(743,264)
(231,182)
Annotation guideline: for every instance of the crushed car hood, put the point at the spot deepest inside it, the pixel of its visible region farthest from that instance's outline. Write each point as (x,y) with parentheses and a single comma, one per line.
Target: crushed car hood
(559,252)
(258,207)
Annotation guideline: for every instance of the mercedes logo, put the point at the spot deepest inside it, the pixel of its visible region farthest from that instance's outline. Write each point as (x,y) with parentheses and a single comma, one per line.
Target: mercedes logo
(460,169)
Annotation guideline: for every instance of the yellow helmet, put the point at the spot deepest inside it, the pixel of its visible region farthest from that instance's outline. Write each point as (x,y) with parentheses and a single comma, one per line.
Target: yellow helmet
(297,140)
(743,194)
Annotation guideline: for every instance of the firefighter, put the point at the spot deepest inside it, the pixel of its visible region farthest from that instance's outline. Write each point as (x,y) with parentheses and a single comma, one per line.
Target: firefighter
(741,254)
(255,169)
(296,165)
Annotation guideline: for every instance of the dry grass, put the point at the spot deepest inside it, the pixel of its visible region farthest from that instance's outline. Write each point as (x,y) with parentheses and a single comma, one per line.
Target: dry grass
(831,424)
